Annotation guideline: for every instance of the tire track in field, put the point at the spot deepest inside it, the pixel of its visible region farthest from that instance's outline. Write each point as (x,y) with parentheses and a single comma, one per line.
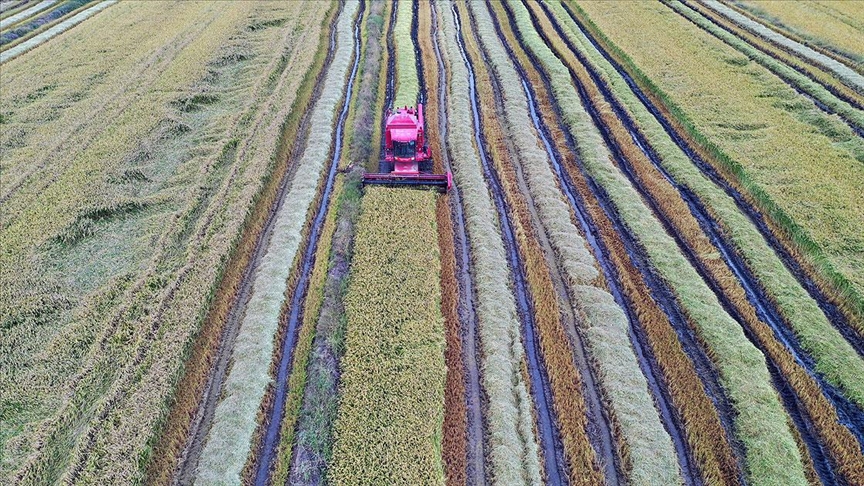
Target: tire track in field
(548,433)
(779,364)
(475,398)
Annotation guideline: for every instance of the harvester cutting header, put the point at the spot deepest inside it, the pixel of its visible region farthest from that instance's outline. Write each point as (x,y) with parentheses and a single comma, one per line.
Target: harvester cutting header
(406,160)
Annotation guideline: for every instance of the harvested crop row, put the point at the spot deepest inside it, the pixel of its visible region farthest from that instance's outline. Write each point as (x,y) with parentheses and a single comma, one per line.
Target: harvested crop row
(157,306)
(839,440)
(761,418)
(229,441)
(821,27)
(799,81)
(454,442)
(10,20)
(742,128)
(217,325)
(513,452)
(835,358)
(392,382)
(847,75)
(645,443)
(566,383)
(703,428)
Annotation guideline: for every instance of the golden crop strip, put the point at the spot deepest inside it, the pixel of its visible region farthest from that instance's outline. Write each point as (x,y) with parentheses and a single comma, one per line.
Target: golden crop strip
(806,185)
(392,383)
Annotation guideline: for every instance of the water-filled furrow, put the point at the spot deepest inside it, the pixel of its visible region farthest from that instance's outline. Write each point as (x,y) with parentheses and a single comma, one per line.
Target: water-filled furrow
(270,441)
(547,429)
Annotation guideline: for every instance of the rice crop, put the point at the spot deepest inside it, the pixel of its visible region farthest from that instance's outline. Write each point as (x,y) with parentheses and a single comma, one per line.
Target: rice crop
(229,441)
(820,26)
(835,358)
(513,451)
(762,124)
(406,69)
(603,323)
(742,368)
(392,383)
(150,271)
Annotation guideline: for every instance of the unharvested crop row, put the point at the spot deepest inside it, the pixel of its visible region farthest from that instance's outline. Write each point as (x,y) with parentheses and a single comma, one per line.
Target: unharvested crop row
(812,235)
(513,452)
(839,440)
(566,383)
(454,443)
(392,381)
(797,52)
(603,324)
(821,27)
(741,367)
(771,60)
(703,429)
(234,422)
(835,358)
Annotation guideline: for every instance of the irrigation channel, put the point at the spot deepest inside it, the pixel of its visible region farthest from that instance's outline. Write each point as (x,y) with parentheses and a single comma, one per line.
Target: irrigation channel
(828,306)
(270,440)
(849,414)
(550,441)
(475,400)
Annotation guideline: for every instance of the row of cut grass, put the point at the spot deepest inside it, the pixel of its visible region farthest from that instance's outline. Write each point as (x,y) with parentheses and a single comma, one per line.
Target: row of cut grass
(839,440)
(821,27)
(701,423)
(803,184)
(742,368)
(835,358)
(603,324)
(513,452)
(565,380)
(224,454)
(130,349)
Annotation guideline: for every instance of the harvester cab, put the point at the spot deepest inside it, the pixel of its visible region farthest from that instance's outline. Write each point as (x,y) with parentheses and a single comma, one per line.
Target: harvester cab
(406,160)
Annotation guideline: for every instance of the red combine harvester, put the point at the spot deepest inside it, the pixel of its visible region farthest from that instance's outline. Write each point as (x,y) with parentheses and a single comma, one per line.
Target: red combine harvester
(407,160)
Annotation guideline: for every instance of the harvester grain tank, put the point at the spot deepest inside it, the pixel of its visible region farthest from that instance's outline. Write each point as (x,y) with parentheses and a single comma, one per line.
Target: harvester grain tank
(407,160)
